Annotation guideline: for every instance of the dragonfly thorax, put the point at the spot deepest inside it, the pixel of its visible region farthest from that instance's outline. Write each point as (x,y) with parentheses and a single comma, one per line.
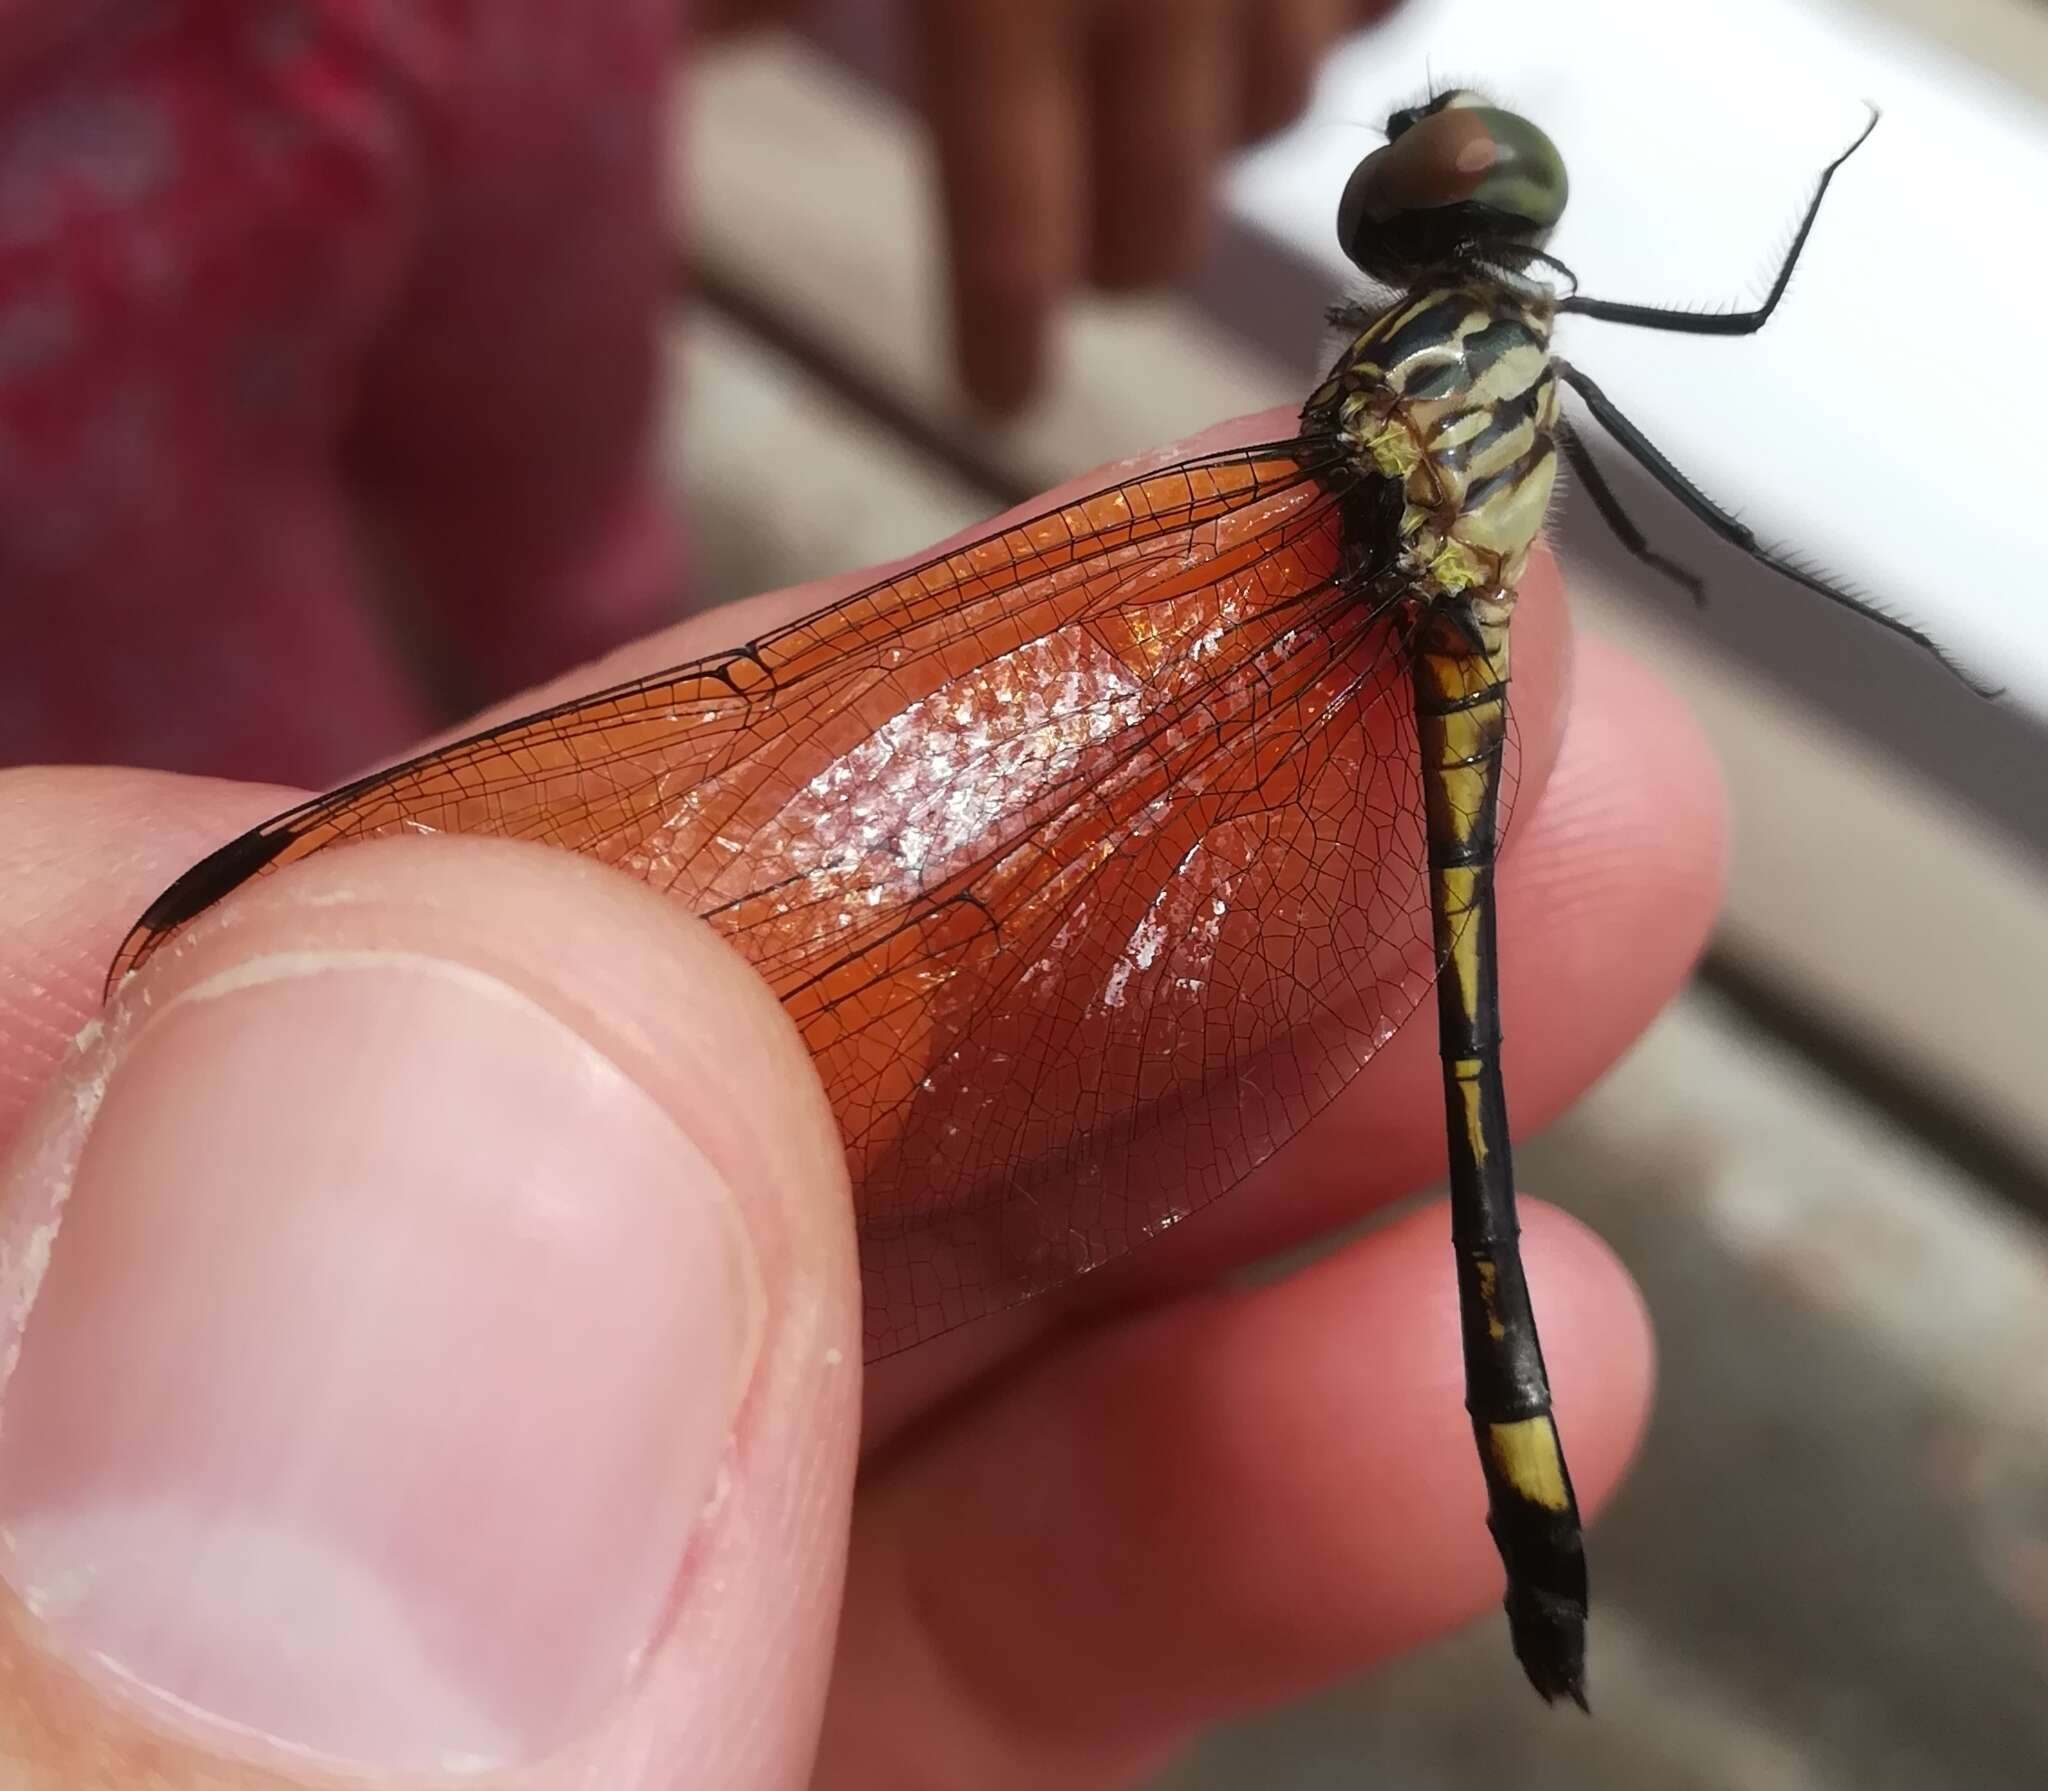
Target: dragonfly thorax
(1450,393)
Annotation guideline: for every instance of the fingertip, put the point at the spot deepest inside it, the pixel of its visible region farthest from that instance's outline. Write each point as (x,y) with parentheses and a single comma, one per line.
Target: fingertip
(1158,124)
(999,91)
(1001,343)
(1353,1368)
(424,1173)
(1339,1395)
(82,850)
(1278,64)
(648,984)
(1230,1499)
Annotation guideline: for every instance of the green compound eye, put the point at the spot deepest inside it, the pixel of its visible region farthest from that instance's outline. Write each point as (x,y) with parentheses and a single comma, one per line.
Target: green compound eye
(1463,152)
(1527,178)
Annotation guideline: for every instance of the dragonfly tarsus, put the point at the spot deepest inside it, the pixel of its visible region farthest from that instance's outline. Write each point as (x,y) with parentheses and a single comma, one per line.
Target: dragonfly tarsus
(1580,458)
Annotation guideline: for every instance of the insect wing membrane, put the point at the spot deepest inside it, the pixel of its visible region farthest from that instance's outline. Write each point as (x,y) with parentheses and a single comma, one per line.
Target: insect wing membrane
(1087,858)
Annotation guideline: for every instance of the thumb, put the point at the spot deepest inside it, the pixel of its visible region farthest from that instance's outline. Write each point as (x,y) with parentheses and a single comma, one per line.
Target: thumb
(431,1307)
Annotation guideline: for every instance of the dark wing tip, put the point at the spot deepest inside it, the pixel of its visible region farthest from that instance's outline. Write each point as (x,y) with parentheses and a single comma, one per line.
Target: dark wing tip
(222,870)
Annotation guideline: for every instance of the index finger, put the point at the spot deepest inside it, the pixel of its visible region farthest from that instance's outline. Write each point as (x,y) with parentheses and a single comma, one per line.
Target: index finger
(1001,90)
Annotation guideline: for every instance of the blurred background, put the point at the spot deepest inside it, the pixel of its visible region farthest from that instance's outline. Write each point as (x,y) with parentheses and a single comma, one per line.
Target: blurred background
(1828,1164)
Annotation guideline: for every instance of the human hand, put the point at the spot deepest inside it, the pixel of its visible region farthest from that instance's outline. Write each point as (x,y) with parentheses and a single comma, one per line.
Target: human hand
(449,1339)
(1078,143)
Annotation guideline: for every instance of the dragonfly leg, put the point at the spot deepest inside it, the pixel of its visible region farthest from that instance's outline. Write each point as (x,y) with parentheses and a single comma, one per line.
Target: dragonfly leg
(1581,460)
(1722,323)
(1461,714)
(1646,454)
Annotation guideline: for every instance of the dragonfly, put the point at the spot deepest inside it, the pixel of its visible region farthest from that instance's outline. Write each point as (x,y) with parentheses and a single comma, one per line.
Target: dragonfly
(1093,858)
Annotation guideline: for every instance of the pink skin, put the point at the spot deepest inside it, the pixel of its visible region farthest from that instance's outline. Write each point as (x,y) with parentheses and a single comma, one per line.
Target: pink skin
(1081,1533)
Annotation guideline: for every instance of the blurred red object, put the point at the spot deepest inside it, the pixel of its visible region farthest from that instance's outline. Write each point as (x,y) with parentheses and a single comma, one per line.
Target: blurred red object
(280,280)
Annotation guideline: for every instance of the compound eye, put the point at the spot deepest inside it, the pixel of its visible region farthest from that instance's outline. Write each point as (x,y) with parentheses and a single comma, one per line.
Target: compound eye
(1458,154)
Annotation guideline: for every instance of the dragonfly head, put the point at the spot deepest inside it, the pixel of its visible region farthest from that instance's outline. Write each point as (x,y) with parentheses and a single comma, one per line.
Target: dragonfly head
(1460,186)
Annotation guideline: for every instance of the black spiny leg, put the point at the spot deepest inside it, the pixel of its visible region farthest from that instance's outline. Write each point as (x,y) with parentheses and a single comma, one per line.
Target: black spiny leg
(1722,323)
(1460,676)
(1616,518)
(1651,459)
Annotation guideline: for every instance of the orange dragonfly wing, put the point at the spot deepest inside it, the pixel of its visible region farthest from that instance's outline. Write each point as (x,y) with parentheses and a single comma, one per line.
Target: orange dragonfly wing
(1088,859)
